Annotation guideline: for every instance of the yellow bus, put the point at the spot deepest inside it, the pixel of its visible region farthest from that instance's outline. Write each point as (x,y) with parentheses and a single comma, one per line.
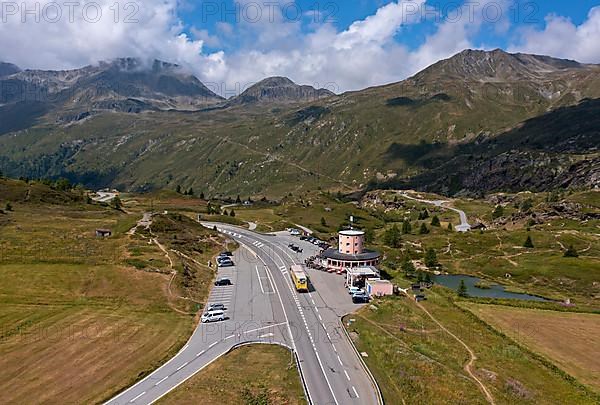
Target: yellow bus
(299,278)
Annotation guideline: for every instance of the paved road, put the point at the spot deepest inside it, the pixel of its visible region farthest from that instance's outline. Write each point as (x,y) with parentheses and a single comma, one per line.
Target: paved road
(464,224)
(305,229)
(104,196)
(332,370)
(255,315)
(263,306)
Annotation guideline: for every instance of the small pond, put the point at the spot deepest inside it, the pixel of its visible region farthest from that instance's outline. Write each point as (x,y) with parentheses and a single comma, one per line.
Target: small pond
(452,281)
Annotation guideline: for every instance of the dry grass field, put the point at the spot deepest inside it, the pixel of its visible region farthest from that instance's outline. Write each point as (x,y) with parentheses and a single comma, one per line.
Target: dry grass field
(570,340)
(257,374)
(78,322)
(416,361)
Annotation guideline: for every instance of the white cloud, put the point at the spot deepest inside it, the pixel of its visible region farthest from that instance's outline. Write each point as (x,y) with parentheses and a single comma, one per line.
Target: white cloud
(562,38)
(366,53)
(382,26)
(80,35)
(363,55)
(203,35)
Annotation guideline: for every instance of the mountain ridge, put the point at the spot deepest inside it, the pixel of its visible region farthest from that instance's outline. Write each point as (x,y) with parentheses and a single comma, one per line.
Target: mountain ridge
(279,89)
(400,132)
(160,85)
(7,69)
(497,65)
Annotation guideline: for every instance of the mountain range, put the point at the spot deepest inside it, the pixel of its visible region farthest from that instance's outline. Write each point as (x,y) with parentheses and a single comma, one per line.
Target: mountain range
(477,122)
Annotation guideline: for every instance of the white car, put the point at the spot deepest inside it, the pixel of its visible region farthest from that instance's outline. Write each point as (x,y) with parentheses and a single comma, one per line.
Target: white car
(213,316)
(294,232)
(215,307)
(354,290)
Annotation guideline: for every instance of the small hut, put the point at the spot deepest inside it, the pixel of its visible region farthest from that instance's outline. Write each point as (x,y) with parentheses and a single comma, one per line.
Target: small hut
(103,233)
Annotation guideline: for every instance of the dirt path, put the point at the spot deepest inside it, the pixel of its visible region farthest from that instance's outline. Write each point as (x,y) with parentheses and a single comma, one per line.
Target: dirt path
(505,255)
(173,274)
(146,222)
(468,367)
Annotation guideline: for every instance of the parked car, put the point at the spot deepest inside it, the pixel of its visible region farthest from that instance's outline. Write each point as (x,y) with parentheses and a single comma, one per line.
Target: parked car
(360,298)
(215,307)
(223,259)
(226,263)
(295,248)
(354,290)
(222,282)
(213,316)
(226,254)
(295,232)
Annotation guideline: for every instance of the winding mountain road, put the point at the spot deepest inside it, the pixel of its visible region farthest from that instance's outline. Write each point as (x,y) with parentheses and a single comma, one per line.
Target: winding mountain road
(464,224)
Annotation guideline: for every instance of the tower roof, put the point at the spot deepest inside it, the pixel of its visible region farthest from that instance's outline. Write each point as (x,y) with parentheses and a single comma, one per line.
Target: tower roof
(352,232)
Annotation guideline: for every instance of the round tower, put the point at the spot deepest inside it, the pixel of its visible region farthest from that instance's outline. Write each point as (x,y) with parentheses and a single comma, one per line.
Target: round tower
(351,242)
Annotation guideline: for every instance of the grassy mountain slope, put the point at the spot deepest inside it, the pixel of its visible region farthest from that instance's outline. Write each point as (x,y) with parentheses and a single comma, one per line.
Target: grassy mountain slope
(476,103)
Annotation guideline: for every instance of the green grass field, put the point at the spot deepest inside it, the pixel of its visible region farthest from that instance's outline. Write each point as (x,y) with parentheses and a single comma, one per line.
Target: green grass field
(83,317)
(111,310)
(258,374)
(415,361)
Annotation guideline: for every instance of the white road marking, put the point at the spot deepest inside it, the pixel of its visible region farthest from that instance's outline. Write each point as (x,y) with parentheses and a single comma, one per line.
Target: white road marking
(340,360)
(355,393)
(320,319)
(347,376)
(267,335)
(270,282)
(212,345)
(259,282)
(266,327)
(334,348)
(136,398)
(229,337)
(287,282)
(201,353)
(326,379)
(158,383)
(182,366)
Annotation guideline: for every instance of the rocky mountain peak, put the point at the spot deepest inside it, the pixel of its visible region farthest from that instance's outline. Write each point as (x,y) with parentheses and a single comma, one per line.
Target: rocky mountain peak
(275,81)
(496,65)
(280,90)
(117,85)
(7,69)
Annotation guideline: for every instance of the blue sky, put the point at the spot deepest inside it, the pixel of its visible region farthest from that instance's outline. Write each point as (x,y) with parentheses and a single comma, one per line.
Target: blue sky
(522,14)
(362,42)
